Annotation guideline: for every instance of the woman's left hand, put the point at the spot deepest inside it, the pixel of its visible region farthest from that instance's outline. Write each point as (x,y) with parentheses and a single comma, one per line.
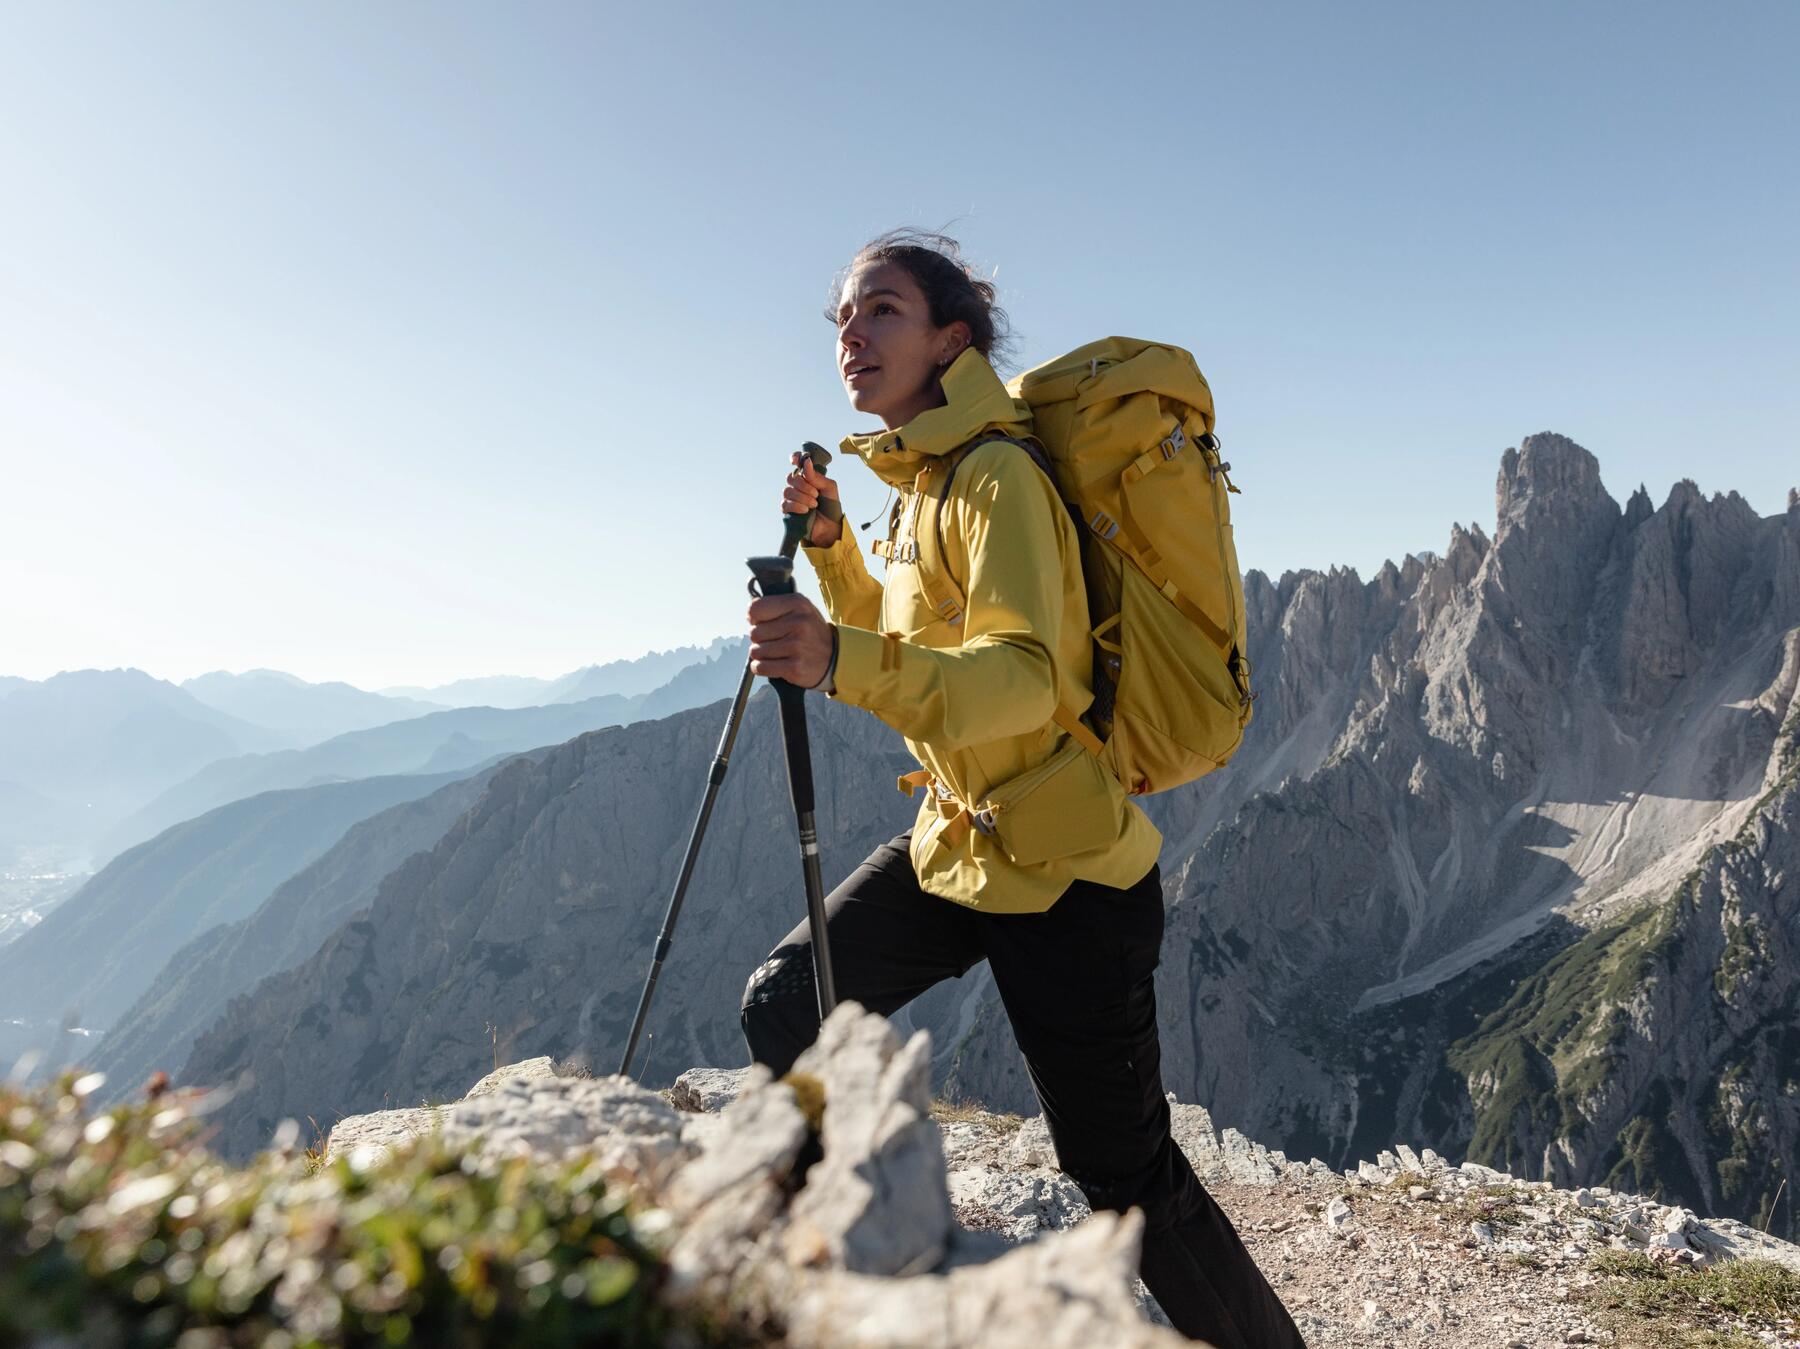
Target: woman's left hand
(789,639)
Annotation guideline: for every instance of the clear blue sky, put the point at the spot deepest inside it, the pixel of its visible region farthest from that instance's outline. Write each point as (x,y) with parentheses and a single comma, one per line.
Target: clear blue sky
(407,341)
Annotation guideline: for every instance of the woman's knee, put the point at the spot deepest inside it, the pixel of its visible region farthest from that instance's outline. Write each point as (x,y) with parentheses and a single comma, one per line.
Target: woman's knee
(779,1012)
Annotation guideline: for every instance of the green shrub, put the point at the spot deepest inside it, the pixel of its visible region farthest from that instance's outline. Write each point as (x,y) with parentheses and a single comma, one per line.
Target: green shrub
(120,1228)
(1649,1302)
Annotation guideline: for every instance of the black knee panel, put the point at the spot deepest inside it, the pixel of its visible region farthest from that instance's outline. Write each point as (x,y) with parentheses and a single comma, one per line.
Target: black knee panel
(780,1011)
(786,974)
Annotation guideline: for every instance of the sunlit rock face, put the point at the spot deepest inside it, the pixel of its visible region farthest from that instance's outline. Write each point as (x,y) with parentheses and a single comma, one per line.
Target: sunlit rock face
(1505,863)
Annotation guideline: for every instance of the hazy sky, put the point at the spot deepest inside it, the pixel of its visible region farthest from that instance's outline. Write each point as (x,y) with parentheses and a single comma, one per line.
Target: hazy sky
(398,342)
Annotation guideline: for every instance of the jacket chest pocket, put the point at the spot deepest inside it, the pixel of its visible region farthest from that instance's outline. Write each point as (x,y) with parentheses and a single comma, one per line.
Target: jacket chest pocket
(921,600)
(912,600)
(906,611)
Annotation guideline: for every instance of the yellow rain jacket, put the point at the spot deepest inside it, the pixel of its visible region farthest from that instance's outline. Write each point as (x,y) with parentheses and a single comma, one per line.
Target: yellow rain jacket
(1014,808)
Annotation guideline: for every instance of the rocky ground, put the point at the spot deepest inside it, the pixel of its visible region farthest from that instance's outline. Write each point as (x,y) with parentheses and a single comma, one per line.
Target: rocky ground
(934,1225)
(1406,1250)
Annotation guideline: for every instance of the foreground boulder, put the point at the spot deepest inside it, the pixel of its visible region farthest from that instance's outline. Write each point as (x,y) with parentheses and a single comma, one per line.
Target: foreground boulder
(820,1204)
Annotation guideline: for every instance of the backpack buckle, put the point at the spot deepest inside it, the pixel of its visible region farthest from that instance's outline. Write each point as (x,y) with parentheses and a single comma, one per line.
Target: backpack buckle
(1103,524)
(1173,443)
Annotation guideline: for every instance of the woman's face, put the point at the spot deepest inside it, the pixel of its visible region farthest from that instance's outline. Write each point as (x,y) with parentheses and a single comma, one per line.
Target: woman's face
(888,350)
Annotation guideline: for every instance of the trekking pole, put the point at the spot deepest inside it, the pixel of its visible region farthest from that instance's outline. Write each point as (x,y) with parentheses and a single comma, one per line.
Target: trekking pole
(797,528)
(775,576)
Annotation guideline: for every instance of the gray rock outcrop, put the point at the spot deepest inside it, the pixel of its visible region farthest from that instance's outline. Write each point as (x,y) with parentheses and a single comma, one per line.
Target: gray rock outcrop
(745,1232)
(877,1203)
(859,1253)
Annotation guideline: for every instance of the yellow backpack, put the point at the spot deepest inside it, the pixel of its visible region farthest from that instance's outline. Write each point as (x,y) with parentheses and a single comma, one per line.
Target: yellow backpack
(1124,427)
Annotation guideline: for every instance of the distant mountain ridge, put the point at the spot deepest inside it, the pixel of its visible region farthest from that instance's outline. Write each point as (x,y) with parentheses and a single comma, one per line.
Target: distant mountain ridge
(98,743)
(435,743)
(84,749)
(639,676)
(630,677)
(307,712)
(445,741)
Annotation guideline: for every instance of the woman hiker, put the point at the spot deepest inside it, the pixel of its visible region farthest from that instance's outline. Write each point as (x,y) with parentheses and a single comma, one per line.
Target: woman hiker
(1072,941)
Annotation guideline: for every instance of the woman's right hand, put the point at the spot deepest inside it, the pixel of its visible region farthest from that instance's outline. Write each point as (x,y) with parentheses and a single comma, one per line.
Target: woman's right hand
(805,485)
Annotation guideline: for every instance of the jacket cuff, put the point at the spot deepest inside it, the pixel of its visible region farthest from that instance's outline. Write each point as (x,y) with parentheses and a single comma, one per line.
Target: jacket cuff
(838,561)
(868,667)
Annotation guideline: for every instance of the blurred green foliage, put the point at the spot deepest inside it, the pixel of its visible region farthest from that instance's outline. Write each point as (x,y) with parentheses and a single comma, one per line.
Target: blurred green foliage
(119,1228)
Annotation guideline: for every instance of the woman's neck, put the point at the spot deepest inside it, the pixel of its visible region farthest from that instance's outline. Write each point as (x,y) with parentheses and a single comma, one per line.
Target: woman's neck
(932,398)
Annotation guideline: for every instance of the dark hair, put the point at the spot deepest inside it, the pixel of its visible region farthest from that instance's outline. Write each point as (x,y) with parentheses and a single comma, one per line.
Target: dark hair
(935,262)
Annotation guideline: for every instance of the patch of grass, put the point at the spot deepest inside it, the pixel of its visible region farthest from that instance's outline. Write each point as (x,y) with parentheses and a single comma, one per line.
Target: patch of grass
(967,1112)
(809,1095)
(1400,1184)
(1647,1302)
(1495,1205)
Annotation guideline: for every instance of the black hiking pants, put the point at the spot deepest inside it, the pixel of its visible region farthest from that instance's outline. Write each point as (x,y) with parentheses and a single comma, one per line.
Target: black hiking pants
(1077,982)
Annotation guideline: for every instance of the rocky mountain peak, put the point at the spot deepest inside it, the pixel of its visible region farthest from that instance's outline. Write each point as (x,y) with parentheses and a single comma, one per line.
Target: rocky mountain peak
(1467,548)
(1684,495)
(1544,469)
(1793,499)
(1554,531)
(1638,509)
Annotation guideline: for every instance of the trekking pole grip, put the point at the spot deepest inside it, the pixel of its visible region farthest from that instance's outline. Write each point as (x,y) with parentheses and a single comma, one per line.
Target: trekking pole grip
(799,527)
(771,575)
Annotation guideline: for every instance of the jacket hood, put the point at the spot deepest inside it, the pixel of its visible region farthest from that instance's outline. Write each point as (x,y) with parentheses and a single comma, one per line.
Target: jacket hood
(976,403)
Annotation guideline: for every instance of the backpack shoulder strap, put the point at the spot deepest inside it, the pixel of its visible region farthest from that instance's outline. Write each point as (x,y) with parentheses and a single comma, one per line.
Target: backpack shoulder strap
(933,484)
(935,578)
(939,586)
(935,581)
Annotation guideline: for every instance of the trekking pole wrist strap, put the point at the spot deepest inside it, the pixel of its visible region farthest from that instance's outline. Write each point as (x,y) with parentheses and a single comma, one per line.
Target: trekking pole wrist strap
(826,681)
